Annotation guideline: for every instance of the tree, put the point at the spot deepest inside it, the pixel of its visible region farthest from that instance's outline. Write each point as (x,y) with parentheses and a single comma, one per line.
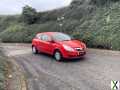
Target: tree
(77,2)
(29,15)
(102,2)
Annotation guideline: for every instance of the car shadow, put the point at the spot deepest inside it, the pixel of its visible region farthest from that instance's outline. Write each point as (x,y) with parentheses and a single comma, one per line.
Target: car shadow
(82,59)
(74,60)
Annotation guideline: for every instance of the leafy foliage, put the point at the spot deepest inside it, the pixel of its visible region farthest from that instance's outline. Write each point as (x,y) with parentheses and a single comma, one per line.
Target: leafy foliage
(98,26)
(29,15)
(2,71)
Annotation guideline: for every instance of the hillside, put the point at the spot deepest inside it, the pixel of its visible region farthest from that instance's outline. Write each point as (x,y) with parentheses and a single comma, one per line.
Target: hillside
(95,22)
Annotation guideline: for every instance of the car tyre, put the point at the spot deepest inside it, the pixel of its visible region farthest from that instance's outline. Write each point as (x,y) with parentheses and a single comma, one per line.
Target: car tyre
(58,55)
(34,50)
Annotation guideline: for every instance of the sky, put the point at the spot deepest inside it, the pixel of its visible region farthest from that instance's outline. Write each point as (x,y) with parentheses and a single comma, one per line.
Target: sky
(15,6)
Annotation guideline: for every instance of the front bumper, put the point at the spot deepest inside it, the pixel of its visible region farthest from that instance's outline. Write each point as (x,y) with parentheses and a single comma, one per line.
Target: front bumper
(77,54)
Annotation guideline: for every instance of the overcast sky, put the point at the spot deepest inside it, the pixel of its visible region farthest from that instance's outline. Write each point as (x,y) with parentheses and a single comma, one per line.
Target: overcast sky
(15,6)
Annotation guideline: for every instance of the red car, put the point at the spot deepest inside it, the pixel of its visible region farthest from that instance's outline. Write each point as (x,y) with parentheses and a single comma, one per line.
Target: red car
(59,45)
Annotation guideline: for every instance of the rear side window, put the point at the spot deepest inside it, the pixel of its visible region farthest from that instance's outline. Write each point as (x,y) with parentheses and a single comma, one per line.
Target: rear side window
(39,36)
(45,37)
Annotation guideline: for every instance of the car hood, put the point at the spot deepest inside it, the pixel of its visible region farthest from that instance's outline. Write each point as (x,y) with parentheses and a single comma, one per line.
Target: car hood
(73,43)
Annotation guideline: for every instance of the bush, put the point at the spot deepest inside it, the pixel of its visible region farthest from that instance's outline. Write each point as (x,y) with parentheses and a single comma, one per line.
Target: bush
(25,33)
(100,32)
(3,67)
(102,2)
(6,21)
(14,33)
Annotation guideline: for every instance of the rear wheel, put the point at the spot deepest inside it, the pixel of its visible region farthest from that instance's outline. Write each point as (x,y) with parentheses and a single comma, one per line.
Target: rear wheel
(34,50)
(58,56)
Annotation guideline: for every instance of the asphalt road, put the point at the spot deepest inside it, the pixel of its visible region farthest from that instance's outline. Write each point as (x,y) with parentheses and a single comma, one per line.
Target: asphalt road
(94,72)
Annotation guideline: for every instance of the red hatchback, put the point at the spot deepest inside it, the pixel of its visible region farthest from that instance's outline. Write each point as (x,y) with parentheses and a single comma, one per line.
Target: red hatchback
(59,45)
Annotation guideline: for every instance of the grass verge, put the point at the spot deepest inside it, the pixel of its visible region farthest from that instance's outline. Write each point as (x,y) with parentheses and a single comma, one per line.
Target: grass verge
(3,71)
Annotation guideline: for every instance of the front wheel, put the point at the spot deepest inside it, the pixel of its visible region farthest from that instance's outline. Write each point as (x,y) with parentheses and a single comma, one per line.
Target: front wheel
(34,50)
(58,56)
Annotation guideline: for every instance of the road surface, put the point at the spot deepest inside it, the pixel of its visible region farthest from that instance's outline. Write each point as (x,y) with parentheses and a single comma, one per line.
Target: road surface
(94,72)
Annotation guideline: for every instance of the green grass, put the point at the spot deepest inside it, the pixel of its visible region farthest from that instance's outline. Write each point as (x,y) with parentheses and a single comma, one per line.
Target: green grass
(2,71)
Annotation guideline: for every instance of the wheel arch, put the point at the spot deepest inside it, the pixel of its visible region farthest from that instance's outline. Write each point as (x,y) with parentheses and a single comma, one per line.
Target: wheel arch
(56,50)
(33,45)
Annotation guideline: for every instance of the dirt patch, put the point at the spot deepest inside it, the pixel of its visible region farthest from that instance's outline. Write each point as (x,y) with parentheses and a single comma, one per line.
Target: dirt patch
(11,75)
(3,71)
(15,77)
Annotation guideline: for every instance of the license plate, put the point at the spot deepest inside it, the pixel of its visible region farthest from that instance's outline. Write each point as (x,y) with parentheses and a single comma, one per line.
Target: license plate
(79,53)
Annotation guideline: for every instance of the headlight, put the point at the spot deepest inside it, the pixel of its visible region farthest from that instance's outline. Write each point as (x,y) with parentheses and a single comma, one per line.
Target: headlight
(84,46)
(68,48)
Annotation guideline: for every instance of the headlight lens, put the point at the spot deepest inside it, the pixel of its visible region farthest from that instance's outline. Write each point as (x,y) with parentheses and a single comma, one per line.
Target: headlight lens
(68,48)
(84,46)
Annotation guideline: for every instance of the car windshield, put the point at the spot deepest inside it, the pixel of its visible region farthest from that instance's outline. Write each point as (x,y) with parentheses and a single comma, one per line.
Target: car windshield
(61,37)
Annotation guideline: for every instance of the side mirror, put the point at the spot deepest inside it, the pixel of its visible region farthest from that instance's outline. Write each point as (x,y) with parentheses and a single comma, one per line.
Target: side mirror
(51,41)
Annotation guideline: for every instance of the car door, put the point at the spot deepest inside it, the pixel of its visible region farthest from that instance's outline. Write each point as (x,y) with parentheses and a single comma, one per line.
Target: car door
(39,40)
(46,45)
